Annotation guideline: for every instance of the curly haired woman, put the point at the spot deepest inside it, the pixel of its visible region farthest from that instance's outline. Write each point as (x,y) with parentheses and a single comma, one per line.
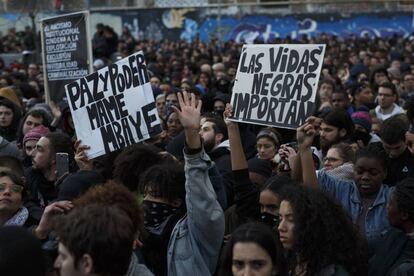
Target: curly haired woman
(318,235)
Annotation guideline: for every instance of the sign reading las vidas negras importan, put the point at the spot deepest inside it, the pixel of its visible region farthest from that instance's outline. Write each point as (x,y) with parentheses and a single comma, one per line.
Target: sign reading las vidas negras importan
(114,107)
(276,85)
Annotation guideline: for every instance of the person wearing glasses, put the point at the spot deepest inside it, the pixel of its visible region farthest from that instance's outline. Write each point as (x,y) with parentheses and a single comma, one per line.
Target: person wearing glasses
(387,97)
(12,192)
(339,161)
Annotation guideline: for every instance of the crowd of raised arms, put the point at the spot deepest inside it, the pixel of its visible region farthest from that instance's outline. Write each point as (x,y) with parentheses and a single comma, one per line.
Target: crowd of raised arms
(207,195)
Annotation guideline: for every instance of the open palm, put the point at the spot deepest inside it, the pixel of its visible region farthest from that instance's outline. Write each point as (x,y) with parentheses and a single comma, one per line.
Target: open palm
(189,112)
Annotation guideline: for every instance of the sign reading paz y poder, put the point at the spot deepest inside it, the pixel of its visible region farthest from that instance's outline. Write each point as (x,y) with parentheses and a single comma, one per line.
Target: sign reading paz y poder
(276,85)
(114,107)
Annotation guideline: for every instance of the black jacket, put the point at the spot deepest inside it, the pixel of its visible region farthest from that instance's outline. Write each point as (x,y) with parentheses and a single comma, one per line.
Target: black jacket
(41,192)
(394,249)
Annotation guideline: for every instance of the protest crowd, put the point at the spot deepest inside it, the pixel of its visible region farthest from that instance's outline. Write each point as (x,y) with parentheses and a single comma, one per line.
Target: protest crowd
(208,195)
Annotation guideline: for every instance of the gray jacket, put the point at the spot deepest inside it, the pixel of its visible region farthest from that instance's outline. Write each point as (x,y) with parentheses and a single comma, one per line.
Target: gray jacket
(137,269)
(8,148)
(196,239)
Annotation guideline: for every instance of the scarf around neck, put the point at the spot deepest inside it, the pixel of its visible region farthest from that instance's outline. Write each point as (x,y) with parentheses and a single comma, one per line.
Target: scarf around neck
(19,219)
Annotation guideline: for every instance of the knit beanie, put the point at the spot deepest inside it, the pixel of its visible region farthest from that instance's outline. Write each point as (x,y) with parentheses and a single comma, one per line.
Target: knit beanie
(43,107)
(260,166)
(35,133)
(363,119)
(10,94)
(222,97)
(78,183)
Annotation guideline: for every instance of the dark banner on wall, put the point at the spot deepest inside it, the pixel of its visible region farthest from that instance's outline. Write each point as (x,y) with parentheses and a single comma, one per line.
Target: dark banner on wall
(66,49)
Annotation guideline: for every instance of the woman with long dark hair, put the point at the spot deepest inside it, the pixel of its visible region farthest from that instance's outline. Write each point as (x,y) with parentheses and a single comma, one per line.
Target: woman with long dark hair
(318,235)
(253,250)
(10,115)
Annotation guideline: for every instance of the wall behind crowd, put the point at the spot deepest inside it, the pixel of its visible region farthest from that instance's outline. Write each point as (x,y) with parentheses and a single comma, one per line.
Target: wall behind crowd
(241,24)
(247,26)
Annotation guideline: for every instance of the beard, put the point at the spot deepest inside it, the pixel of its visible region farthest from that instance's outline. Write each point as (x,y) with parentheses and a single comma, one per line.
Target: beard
(325,145)
(208,145)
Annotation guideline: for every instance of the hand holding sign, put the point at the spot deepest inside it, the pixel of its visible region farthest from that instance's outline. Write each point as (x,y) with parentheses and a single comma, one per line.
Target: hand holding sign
(276,84)
(227,114)
(114,107)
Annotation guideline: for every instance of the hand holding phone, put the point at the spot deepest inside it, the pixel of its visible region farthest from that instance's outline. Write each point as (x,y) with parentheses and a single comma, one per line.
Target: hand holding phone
(62,164)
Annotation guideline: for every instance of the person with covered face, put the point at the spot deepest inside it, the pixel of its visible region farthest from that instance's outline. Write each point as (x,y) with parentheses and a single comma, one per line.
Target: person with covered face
(180,206)
(253,201)
(363,134)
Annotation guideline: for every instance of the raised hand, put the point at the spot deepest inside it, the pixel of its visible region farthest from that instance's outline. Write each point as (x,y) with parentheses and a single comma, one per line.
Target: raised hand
(56,112)
(286,152)
(56,208)
(306,133)
(189,112)
(81,159)
(228,113)
(189,116)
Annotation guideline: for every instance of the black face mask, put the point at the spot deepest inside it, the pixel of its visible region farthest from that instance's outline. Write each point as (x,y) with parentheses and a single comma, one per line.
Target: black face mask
(269,219)
(362,136)
(155,213)
(223,86)
(219,111)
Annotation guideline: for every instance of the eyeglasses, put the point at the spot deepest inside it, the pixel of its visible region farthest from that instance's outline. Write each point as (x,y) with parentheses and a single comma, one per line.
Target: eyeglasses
(14,188)
(385,95)
(331,159)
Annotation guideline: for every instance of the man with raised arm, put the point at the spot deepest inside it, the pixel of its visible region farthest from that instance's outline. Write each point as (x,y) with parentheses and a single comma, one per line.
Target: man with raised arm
(196,240)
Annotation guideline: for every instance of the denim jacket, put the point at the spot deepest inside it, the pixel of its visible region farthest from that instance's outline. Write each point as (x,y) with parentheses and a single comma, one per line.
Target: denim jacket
(347,194)
(196,239)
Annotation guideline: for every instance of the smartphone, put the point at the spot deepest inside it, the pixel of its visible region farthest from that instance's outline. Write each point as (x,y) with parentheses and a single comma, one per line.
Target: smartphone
(293,145)
(62,163)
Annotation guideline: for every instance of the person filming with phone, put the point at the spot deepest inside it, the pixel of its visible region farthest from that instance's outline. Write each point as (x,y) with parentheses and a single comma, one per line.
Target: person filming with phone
(41,177)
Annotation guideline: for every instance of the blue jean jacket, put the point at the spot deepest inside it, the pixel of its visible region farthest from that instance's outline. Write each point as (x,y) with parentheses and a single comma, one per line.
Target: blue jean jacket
(196,240)
(347,194)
